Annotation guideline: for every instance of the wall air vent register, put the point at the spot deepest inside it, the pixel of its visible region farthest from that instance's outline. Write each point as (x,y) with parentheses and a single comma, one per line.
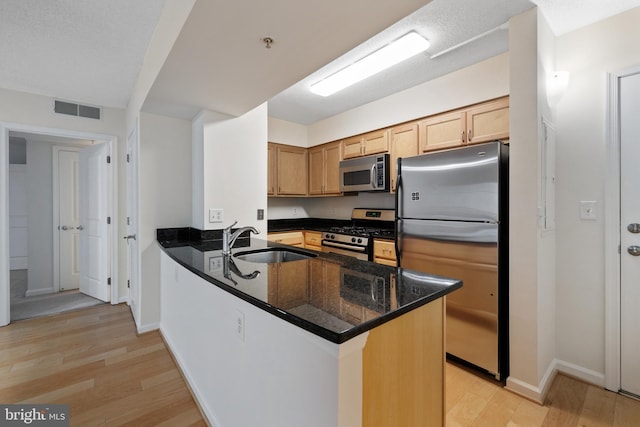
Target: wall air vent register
(79,110)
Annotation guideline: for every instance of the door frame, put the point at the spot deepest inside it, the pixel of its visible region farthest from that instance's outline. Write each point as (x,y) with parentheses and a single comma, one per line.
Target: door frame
(112,200)
(612,231)
(56,211)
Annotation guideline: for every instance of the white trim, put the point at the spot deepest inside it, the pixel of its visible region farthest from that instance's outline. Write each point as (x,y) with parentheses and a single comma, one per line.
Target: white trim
(142,329)
(612,231)
(612,239)
(580,372)
(36,292)
(112,140)
(56,211)
(5,294)
(539,393)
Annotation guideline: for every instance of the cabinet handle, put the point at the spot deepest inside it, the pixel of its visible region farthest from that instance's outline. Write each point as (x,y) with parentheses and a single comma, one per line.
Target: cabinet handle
(462,136)
(469,136)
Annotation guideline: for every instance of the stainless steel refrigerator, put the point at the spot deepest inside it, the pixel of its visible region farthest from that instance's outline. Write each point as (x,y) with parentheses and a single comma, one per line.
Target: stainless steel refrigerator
(452,220)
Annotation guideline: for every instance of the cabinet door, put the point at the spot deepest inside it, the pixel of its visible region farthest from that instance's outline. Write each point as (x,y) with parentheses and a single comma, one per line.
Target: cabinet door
(332,158)
(384,252)
(291,238)
(292,284)
(316,170)
(352,147)
(488,122)
(404,143)
(271,170)
(313,240)
(443,131)
(375,142)
(292,171)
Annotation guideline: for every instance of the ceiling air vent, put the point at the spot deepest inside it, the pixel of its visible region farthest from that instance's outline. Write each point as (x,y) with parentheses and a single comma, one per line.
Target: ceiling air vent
(72,109)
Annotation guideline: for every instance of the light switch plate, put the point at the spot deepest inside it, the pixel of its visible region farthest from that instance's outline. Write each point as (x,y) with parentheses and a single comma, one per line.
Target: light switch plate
(588,210)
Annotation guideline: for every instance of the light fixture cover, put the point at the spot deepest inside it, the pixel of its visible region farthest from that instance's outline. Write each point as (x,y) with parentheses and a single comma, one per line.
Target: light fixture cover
(403,48)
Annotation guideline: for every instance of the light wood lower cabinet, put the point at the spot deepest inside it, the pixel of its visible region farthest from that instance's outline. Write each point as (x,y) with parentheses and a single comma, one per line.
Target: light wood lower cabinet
(292,238)
(313,240)
(384,252)
(403,370)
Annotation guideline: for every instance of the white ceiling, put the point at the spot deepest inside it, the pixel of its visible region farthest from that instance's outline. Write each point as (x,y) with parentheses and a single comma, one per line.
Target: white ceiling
(91,51)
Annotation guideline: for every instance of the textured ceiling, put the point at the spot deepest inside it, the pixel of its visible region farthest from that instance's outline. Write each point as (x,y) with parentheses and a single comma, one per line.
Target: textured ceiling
(91,51)
(87,51)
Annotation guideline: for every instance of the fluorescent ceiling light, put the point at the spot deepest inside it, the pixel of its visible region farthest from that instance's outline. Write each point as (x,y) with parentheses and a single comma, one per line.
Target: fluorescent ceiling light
(404,48)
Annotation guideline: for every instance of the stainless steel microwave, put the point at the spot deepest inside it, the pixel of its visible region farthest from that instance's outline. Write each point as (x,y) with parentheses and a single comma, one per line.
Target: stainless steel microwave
(369,173)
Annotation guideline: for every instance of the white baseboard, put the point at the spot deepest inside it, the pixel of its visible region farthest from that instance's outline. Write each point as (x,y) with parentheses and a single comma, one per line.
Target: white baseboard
(124,299)
(205,410)
(34,292)
(539,393)
(581,373)
(148,327)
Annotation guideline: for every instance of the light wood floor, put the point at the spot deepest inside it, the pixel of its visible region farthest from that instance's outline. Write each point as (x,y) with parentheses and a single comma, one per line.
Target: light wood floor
(93,360)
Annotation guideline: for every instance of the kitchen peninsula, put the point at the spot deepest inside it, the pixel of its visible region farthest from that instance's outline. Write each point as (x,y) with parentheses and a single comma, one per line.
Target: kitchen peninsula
(325,340)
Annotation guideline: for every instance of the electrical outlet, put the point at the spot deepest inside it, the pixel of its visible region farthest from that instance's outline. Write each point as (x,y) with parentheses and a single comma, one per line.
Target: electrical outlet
(239,325)
(215,264)
(260,214)
(294,211)
(216,215)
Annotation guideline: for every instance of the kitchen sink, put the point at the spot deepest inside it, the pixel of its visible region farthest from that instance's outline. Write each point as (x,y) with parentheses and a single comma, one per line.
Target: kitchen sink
(273,255)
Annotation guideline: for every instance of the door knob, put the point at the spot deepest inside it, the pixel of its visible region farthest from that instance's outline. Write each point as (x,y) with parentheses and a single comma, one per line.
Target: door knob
(634,250)
(80,228)
(65,228)
(633,228)
(130,236)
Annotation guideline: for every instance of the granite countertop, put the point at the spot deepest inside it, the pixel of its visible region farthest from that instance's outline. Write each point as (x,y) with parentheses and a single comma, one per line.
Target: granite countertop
(333,296)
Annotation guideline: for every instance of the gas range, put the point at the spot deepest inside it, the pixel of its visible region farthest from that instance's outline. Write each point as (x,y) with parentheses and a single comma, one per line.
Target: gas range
(357,239)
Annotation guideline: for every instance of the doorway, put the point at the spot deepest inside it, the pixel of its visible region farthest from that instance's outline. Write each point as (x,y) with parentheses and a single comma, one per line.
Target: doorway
(622,372)
(37,283)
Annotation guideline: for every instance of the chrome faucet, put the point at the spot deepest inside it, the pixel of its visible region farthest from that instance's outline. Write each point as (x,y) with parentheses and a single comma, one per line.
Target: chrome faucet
(229,238)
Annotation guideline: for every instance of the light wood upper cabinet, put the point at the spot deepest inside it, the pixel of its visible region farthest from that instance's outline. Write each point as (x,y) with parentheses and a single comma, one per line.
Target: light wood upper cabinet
(271,170)
(404,143)
(363,145)
(324,174)
(289,169)
(488,122)
(352,147)
(375,142)
(484,122)
(443,131)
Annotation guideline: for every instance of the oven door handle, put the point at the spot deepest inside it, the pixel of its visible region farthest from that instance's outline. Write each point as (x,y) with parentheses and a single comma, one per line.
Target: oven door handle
(343,246)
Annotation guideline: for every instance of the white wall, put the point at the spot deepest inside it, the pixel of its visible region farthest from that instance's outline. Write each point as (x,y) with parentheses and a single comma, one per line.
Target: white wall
(164,199)
(284,132)
(234,169)
(587,54)
(40,217)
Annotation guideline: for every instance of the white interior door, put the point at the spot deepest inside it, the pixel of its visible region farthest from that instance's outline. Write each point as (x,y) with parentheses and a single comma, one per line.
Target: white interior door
(68,228)
(94,236)
(630,234)
(132,222)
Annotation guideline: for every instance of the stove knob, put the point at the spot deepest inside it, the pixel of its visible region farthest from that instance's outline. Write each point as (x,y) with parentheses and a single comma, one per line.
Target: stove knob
(359,240)
(327,236)
(333,236)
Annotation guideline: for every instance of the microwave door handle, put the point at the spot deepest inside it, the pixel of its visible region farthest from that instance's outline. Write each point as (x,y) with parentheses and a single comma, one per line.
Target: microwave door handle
(374,182)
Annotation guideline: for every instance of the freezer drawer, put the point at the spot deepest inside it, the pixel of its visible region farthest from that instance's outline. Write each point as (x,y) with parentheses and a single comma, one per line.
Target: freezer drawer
(472,312)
